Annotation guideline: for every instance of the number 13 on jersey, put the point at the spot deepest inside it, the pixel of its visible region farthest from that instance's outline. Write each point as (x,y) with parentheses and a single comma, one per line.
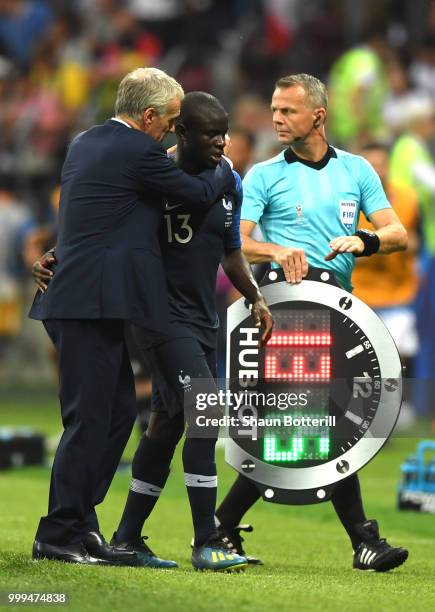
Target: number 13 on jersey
(183,232)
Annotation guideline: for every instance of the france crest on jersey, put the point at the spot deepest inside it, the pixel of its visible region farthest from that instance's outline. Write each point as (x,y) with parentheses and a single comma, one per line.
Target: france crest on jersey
(228,205)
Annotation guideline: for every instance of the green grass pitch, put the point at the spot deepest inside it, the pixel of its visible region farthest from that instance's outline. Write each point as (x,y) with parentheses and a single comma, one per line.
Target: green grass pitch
(307,556)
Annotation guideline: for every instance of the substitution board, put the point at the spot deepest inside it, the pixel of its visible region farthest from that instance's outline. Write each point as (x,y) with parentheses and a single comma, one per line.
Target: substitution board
(320,400)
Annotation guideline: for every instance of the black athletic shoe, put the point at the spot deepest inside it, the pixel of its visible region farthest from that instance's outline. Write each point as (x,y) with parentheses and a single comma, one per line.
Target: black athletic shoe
(374,553)
(234,541)
(215,555)
(144,554)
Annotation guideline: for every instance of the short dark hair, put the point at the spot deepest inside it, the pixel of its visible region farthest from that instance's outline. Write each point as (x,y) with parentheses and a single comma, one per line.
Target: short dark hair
(198,103)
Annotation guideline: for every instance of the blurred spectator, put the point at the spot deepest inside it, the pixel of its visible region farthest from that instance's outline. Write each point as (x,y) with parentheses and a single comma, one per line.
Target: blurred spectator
(164,17)
(15,223)
(61,62)
(242,149)
(251,112)
(401,97)
(7,100)
(358,87)
(422,70)
(120,46)
(22,24)
(389,284)
(412,163)
(262,52)
(320,39)
(38,131)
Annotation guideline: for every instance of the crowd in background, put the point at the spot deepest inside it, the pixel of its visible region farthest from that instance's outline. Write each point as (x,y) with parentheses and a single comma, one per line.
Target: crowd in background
(60,65)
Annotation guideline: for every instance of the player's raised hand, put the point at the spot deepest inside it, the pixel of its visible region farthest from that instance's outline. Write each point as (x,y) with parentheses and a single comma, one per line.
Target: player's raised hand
(345,244)
(41,270)
(293,261)
(263,319)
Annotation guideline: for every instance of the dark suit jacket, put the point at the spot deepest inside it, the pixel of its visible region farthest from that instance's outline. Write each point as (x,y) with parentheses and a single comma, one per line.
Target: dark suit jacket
(107,251)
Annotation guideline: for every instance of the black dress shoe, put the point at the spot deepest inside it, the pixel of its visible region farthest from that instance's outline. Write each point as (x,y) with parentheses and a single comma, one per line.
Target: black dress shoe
(72,553)
(97,548)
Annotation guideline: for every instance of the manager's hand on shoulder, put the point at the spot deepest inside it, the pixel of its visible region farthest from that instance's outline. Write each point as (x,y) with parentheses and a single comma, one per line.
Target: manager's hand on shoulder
(293,261)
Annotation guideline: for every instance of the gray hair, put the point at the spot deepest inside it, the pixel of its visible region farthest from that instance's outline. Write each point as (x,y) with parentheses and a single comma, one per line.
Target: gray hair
(315,90)
(146,88)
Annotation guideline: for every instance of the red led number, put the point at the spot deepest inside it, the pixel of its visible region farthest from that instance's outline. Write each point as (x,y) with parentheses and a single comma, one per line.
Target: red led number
(280,339)
(299,370)
(299,366)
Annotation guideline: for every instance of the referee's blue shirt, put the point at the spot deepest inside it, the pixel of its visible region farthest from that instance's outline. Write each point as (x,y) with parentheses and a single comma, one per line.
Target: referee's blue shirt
(306,204)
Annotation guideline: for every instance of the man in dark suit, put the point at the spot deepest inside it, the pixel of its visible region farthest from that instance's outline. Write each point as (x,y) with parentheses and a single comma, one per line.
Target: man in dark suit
(108,270)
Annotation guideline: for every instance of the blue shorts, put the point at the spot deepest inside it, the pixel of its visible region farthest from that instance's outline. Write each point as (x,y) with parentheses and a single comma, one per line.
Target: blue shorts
(181,368)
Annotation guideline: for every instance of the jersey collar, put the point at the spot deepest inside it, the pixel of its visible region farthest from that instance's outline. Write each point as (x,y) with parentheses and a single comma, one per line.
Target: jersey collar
(291,157)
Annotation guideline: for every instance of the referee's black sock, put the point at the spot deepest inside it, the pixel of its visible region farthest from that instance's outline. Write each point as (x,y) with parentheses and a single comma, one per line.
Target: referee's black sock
(349,507)
(150,470)
(201,482)
(242,495)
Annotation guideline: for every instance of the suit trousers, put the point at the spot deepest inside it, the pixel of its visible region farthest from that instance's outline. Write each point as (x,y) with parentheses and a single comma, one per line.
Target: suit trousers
(98,407)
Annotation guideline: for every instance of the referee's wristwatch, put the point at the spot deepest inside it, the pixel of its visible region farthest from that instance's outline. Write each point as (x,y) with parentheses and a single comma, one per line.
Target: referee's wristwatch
(371,242)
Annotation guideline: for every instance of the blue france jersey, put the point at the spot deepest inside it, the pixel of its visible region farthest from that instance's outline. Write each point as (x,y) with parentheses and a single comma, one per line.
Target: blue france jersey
(306,204)
(192,245)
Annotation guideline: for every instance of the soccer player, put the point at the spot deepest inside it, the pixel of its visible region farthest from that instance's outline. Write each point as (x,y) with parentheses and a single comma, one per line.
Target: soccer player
(307,202)
(193,245)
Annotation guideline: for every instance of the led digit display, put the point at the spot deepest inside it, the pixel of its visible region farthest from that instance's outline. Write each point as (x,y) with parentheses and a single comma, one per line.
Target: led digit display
(283,339)
(296,449)
(297,366)
(299,352)
(296,443)
(296,357)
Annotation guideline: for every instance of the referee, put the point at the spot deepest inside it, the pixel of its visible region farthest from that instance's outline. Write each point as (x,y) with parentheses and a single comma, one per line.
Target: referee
(307,201)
